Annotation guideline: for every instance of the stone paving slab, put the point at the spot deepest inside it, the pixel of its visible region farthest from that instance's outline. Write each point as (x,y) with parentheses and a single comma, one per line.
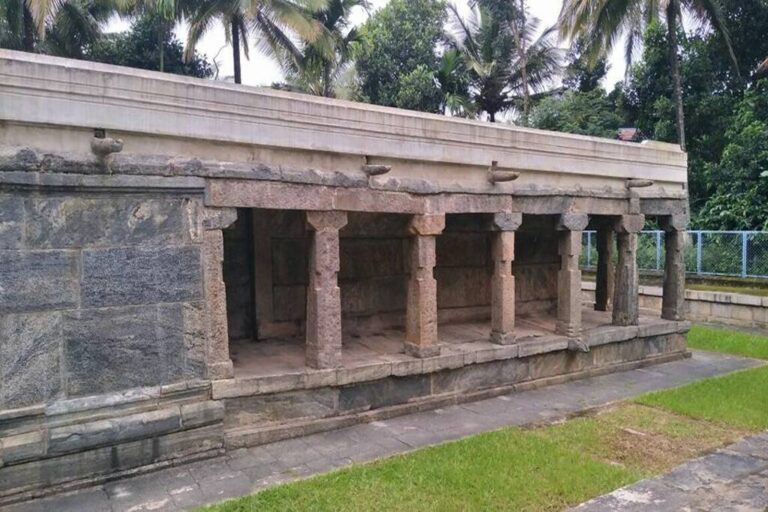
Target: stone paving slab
(734,478)
(249,470)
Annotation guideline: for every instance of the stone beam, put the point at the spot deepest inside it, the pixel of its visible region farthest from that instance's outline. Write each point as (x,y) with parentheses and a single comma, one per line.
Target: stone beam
(421,313)
(323,336)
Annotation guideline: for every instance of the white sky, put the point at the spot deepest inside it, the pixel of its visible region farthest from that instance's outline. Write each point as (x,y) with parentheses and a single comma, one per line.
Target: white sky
(261,70)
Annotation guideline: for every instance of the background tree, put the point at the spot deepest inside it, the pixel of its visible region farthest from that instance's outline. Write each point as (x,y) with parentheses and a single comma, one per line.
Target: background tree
(396,57)
(271,22)
(317,65)
(502,74)
(603,23)
(138,48)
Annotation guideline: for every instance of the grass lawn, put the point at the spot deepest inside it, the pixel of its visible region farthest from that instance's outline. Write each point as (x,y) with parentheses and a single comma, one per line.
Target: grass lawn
(546,468)
(731,342)
(550,467)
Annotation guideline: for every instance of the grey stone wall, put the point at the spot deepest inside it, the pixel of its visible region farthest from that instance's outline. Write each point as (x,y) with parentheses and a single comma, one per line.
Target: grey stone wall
(98,293)
(374,270)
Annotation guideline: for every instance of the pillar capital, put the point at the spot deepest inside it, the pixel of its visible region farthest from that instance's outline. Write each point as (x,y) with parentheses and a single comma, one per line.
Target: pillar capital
(572,222)
(676,222)
(505,221)
(218,218)
(632,223)
(326,220)
(431,224)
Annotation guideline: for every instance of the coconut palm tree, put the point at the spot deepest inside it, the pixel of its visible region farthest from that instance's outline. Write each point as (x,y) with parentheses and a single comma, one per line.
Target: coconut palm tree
(315,66)
(268,20)
(603,23)
(77,25)
(507,63)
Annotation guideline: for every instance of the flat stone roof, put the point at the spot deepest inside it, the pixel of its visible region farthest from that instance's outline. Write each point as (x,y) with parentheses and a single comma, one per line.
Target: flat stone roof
(167,111)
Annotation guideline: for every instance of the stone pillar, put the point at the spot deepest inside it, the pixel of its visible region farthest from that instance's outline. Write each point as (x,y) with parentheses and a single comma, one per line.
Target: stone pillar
(626,305)
(323,336)
(503,226)
(570,226)
(421,313)
(605,268)
(673,299)
(214,221)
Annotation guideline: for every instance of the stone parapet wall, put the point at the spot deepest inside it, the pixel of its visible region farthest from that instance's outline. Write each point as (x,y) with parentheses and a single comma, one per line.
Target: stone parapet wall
(736,309)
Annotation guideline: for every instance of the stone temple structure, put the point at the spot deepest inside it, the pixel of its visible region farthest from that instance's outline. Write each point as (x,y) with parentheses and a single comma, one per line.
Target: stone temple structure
(188,267)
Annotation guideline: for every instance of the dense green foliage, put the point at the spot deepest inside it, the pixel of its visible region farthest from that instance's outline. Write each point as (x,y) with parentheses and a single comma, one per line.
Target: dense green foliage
(396,59)
(587,113)
(139,48)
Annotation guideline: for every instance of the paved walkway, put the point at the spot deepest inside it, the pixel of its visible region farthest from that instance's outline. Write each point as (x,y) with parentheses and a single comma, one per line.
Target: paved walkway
(732,479)
(249,470)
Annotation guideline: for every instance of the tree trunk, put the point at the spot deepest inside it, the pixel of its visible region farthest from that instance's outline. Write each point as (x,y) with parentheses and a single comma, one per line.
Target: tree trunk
(492,116)
(327,92)
(28,37)
(673,8)
(161,44)
(236,50)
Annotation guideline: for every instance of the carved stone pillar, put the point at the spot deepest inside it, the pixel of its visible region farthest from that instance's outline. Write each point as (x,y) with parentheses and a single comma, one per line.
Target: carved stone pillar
(570,226)
(323,336)
(214,221)
(673,298)
(606,271)
(503,226)
(421,313)
(626,305)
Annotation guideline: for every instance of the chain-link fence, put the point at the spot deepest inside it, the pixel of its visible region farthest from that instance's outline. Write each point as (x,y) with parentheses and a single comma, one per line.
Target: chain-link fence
(720,253)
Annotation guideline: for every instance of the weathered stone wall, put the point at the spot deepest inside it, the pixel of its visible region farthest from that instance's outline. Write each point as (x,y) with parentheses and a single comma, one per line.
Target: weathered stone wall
(99,292)
(374,270)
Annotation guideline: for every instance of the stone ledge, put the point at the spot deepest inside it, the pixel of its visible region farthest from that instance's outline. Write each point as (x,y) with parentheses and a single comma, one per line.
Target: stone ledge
(699,295)
(452,357)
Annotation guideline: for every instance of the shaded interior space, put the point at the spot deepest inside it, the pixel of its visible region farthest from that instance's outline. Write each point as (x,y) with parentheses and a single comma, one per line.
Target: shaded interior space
(285,355)
(266,269)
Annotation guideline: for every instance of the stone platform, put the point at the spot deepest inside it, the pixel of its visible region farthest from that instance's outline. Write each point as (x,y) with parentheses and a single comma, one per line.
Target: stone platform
(275,396)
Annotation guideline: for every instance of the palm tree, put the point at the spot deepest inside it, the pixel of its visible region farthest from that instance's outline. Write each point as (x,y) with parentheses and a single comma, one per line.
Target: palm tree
(315,66)
(604,22)
(506,62)
(76,26)
(166,12)
(268,20)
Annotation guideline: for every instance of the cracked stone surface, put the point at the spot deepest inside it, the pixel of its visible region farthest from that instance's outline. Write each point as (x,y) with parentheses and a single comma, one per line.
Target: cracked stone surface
(735,478)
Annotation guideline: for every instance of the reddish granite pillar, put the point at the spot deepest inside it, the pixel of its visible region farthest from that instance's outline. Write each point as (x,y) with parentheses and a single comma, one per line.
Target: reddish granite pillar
(606,270)
(323,336)
(673,297)
(626,300)
(421,314)
(570,226)
(503,226)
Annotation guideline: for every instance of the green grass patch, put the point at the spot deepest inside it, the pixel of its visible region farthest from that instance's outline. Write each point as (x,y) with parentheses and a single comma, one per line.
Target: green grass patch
(547,468)
(728,341)
(510,469)
(739,399)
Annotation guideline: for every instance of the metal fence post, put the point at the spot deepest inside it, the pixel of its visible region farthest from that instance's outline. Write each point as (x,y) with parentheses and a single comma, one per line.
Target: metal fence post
(743,254)
(658,250)
(589,249)
(698,252)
